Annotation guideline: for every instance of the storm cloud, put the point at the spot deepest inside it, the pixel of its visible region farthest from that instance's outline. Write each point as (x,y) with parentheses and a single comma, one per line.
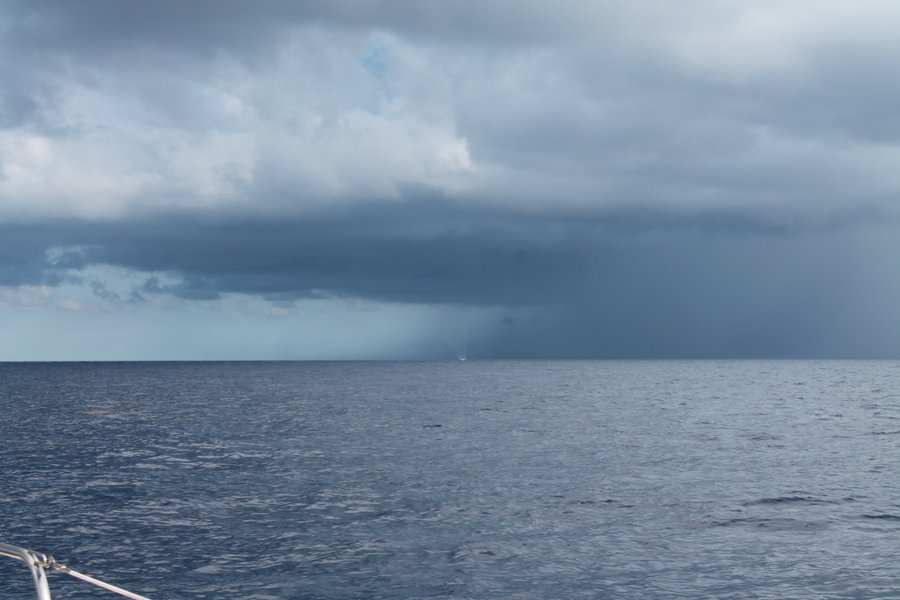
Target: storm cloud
(618,179)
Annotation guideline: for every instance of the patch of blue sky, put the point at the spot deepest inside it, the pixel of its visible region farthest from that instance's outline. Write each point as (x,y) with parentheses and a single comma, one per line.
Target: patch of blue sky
(375,61)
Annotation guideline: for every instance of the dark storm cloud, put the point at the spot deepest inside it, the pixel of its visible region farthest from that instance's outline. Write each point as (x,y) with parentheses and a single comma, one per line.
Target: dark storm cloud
(624,286)
(700,179)
(236,26)
(429,250)
(399,256)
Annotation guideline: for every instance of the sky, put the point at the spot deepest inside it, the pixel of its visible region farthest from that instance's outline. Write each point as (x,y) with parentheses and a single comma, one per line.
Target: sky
(186,180)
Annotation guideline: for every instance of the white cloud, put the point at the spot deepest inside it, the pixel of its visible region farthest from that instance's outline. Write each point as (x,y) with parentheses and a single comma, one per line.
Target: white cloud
(746,43)
(26,296)
(31,298)
(580,107)
(293,134)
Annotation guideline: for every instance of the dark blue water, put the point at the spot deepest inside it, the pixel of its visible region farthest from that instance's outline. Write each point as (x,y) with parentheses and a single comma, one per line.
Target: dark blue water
(456,480)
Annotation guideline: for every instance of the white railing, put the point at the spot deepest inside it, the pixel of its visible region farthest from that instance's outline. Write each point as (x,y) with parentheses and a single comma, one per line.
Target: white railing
(38,564)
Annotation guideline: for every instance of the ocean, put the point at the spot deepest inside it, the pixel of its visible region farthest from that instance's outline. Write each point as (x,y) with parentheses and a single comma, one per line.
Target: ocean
(476,479)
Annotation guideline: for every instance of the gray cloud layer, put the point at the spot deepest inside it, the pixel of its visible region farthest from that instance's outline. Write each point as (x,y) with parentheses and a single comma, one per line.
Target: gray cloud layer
(716,180)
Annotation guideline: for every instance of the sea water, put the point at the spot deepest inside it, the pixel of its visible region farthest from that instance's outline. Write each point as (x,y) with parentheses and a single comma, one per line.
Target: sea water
(595,479)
